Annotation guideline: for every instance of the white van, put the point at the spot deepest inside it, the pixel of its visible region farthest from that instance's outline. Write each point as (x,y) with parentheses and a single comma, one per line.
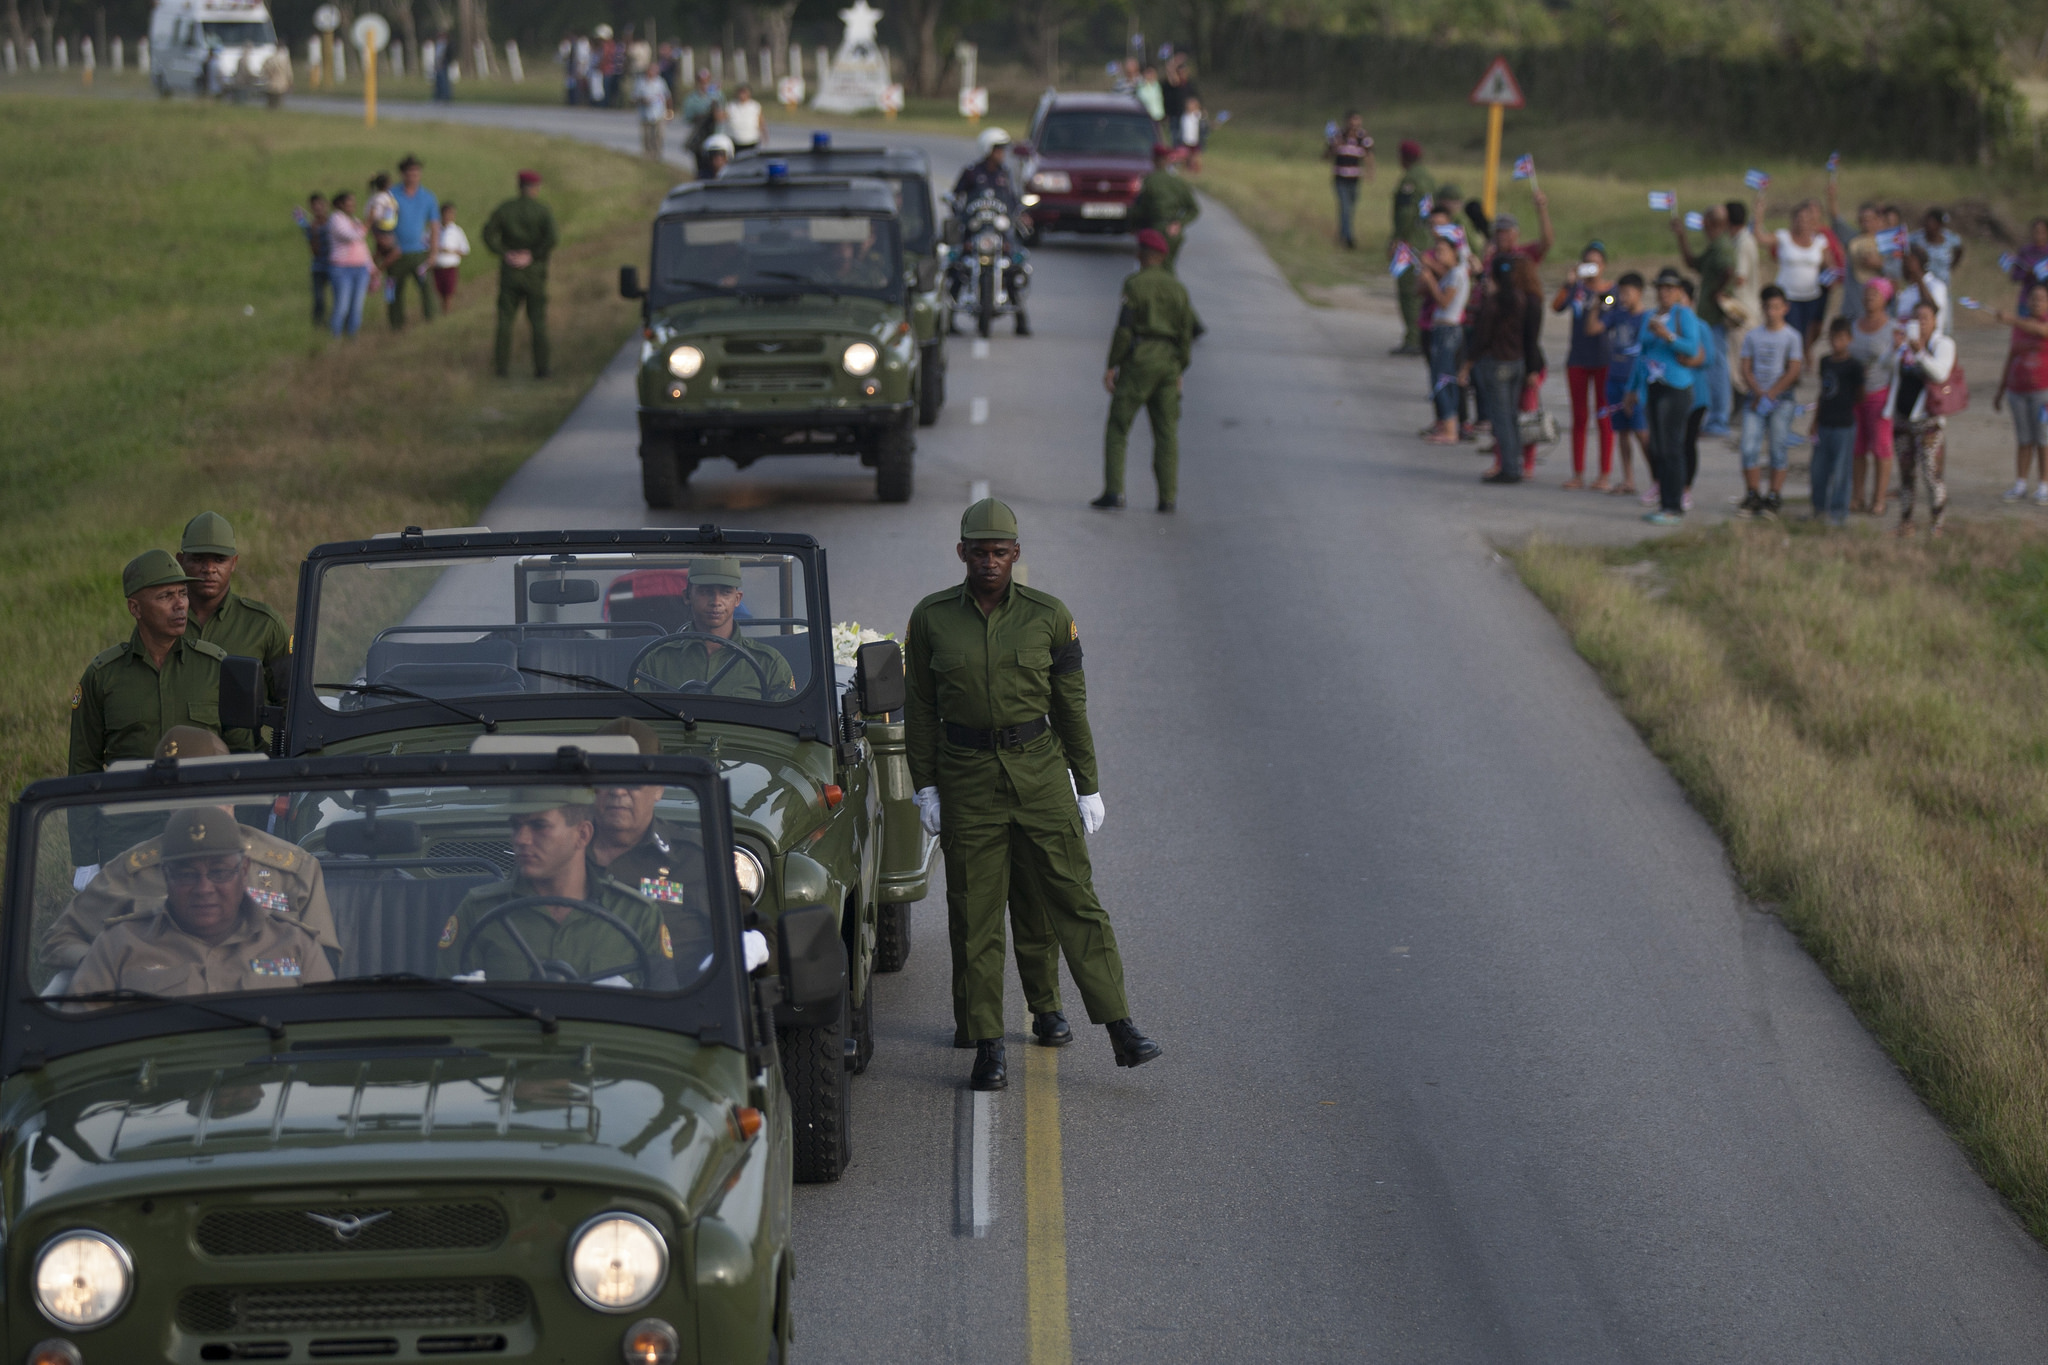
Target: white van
(209,47)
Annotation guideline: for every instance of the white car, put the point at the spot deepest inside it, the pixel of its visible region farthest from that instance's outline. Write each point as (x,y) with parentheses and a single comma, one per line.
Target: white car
(209,46)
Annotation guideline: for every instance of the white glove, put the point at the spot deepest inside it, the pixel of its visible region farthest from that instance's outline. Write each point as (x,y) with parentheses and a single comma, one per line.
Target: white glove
(83,876)
(1091,811)
(616,982)
(755,944)
(928,809)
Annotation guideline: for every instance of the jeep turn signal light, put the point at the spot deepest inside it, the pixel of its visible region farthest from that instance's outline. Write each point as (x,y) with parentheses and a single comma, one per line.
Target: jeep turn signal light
(833,796)
(748,1121)
(55,1351)
(650,1341)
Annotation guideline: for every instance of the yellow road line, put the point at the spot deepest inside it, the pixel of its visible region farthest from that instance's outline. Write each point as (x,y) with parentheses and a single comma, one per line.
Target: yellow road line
(1050,1341)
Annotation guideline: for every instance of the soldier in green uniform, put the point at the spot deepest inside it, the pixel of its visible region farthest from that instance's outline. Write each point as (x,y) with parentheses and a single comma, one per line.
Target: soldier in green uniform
(521,232)
(691,662)
(1154,341)
(133,692)
(1167,204)
(222,616)
(552,828)
(999,747)
(661,860)
(1413,197)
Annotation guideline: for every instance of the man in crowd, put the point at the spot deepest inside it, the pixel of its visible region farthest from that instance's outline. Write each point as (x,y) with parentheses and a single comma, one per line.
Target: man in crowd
(1349,152)
(207,933)
(521,232)
(418,220)
(1716,267)
(1148,354)
(221,616)
(650,94)
(711,655)
(1413,198)
(1166,203)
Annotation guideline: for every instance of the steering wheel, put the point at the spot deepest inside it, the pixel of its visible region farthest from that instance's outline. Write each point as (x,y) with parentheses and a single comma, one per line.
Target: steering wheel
(554,969)
(698,685)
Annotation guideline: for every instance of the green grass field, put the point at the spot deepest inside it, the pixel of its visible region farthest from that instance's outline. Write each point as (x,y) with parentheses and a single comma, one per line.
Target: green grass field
(156,358)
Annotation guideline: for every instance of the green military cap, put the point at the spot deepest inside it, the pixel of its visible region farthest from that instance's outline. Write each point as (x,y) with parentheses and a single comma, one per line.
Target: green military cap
(716,573)
(151,569)
(189,741)
(540,800)
(642,733)
(208,534)
(988,519)
(199,832)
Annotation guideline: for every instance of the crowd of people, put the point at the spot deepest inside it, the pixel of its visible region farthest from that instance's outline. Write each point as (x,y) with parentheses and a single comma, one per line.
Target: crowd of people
(1860,316)
(1174,101)
(601,71)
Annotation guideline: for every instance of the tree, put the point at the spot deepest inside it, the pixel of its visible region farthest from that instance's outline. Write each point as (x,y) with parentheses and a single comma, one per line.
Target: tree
(919,26)
(1039,23)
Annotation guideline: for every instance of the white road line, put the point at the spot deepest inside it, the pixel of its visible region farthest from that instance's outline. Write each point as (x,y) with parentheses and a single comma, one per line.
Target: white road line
(977,490)
(980,348)
(977,412)
(983,1198)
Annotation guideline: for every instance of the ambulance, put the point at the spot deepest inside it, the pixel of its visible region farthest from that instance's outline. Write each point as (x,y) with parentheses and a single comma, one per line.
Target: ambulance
(209,47)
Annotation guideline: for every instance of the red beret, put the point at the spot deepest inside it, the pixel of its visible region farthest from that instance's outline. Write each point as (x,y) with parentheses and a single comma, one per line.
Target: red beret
(1411,150)
(529,177)
(1152,239)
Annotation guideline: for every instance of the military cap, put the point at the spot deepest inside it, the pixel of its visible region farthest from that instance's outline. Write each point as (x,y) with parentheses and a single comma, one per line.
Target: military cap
(529,177)
(988,519)
(1152,240)
(151,569)
(189,741)
(540,800)
(199,832)
(717,573)
(642,733)
(208,534)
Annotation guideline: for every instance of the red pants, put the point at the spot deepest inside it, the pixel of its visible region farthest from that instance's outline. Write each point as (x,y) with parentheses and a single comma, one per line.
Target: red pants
(1873,428)
(445,277)
(1587,385)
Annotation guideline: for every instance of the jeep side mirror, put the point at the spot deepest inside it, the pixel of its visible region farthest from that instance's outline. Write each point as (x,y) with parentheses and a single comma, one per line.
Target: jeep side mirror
(241,693)
(813,962)
(629,282)
(927,274)
(878,677)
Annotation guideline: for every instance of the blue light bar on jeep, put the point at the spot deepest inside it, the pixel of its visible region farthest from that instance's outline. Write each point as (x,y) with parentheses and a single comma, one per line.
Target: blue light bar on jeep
(777,171)
(821,141)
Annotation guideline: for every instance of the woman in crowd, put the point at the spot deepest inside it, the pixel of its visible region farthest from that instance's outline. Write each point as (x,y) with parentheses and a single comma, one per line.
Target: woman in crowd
(1495,361)
(2024,384)
(1874,340)
(2031,258)
(1446,288)
(1804,253)
(1535,368)
(348,261)
(1585,367)
(1943,249)
(1919,422)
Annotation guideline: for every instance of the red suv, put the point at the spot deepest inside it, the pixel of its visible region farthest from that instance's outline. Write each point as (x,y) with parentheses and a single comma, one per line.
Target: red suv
(1083,161)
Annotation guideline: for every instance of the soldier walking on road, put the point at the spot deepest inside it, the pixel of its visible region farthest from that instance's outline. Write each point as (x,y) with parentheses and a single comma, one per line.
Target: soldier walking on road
(1004,765)
(1154,341)
(219,615)
(521,232)
(1167,203)
(1413,199)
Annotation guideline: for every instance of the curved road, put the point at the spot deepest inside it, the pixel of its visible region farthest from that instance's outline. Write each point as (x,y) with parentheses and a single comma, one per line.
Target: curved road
(1474,1050)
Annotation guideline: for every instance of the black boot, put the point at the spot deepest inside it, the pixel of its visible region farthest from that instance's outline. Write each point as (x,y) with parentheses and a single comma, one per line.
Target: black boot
(1166,504)
(1132,1047)
(989,1072)
(1051,1030)
(1023,324)
(1108,501)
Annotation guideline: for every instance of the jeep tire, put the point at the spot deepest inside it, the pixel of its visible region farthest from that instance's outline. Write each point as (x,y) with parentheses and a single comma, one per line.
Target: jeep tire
(662,473)
(931,394)
(895,452)
(820,1086)
(892,936)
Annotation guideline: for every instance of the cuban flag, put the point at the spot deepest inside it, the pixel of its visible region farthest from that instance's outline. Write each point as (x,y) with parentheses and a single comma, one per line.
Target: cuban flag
(2041,269)
(1756,180)
(1404,259)
(1892,241)
(1834,162)
(1969,303)
(1663,201)
(1451,233)
(1425,205)
(1525,166)
(1695,222)
(1830,277)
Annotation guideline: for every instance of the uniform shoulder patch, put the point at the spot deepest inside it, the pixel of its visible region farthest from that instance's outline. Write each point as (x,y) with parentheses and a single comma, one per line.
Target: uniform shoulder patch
(145,855)
(77,695)
(1073,629)
(261,608)
(108,655)
(209,649)
(668,949)
(448,932)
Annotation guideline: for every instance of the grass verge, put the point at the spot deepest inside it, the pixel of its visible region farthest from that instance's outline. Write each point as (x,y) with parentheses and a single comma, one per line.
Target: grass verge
(1862,721)
(156,358)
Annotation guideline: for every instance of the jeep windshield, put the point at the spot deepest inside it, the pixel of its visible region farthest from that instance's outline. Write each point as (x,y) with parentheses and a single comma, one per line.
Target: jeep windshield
(234,33)
(780,254)
(1095,134)
(174,900)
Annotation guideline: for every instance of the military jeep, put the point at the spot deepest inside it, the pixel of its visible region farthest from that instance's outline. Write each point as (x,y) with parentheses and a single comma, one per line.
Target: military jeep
(908,172)
(777,322)
(228,1141)
(446,643)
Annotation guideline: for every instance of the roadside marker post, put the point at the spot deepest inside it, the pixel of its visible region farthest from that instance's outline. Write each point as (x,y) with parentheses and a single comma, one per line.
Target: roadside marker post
(1499,92)
(371,33)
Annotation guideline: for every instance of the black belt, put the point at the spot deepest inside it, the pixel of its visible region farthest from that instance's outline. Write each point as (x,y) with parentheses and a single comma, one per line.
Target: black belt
(1008,737)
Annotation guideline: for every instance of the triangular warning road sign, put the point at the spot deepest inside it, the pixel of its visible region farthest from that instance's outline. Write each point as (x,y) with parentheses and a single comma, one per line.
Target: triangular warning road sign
(1498,86)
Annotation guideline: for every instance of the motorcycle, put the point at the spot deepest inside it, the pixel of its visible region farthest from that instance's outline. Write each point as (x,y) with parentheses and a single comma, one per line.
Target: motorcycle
(989,273)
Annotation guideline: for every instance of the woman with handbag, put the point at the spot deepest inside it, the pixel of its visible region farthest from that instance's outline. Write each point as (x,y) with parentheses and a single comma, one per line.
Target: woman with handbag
(1930,388)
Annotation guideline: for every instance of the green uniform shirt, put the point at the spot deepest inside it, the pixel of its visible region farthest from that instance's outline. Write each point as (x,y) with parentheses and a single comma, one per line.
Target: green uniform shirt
(583,941)
(1019,663)
(1716,264)
(691,660)
(667,867)
(124,703)
(523,224)
(1156,315)
(1411,224)
(245,628)
(1164,198)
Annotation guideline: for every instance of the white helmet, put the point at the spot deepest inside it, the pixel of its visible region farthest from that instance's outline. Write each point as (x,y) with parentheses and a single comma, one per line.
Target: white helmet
(719,142)
(992,138)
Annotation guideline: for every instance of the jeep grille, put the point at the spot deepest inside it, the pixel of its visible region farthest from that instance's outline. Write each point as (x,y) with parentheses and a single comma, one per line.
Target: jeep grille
(214,1311)
(409,1227)
(776,346)
(775,379)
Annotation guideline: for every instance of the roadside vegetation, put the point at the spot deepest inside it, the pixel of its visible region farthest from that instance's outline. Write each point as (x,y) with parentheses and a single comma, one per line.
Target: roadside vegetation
(157,358)
(1863,721)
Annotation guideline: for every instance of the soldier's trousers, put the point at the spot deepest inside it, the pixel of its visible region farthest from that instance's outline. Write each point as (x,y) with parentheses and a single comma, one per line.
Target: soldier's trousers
(990,834)
(1409,286)
(1154,385)
(1174,242)
(517,287)
(1032,939)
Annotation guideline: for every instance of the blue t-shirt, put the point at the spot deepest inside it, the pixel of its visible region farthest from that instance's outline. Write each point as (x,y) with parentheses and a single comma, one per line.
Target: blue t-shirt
(1624,343)
(1661,358)
(417,216)
(1588,352)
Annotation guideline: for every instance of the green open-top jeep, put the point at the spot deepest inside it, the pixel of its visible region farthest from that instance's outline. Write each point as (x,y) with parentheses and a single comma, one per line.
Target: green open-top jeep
(315,1070)
(459,642)
(777,322)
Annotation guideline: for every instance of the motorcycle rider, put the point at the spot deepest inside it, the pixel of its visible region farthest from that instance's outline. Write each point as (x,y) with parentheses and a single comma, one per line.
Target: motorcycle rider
(991,175)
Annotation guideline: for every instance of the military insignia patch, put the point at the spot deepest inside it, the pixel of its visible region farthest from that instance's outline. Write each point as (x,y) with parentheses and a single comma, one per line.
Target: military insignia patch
(1073,630)
(276,902)
(668,949)
(197,834)
(77,695)
(274,966)
(662,889)
(448,933)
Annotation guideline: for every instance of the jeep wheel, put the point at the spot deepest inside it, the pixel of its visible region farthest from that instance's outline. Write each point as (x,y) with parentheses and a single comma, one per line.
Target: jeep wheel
(820,1097)
(892,937)
(662,474)
(931,395)
(895,451)
(860,1044)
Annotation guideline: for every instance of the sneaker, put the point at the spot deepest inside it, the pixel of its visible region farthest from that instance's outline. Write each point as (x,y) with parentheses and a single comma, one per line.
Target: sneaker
(1687,500)
(1772,503)
(1752,503)
(2041,495)
(2017,492)
(1651,497)
(1663,518)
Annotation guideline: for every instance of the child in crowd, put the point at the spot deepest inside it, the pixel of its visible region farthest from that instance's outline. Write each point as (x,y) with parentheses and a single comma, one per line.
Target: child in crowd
(452,246)
(1192,133)
(1620,320)
(2024,384)
(1834,424)
(381,214)
(312,221)
(1772,356)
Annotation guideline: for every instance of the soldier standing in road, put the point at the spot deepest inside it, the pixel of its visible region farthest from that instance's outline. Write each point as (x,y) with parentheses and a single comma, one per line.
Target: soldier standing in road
(1154,341)
(1166,203)
(1413,198)
(1003,761)
(521,232)
(219,615)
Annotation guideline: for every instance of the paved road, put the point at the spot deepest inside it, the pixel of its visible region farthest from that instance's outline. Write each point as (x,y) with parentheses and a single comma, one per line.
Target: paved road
(1474,1049)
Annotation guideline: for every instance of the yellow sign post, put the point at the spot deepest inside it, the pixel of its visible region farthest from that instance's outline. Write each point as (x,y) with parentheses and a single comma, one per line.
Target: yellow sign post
(371,34)
(1499,92)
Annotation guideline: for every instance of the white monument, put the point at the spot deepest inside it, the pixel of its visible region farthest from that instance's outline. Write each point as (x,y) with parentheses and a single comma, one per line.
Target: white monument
(860,69)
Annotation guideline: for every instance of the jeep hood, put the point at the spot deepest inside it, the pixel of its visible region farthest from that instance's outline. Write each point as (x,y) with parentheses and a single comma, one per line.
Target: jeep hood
(808,313)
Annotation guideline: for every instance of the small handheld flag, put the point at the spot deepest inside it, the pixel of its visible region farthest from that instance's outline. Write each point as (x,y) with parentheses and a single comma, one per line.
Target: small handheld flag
(1969,303)
(1404,259)
(1663,201)
(1756,180)
(1426,205)
(1834,162)
(1892,241)
(1451,233)
(2007,262)
(1695,221)
(1330,130)
(2041,269)
(1830,277)
(1525,166)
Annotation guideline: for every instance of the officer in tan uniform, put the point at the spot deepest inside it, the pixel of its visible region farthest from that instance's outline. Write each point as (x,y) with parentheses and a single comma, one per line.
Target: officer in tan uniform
(207,934)
(661,860)
(283,878)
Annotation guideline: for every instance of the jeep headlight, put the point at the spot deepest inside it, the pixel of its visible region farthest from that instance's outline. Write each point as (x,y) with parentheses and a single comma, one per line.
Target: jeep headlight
(617,1262)
(748,872)
(1052,182)
(82,1278)
(860,358)
(685,361)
